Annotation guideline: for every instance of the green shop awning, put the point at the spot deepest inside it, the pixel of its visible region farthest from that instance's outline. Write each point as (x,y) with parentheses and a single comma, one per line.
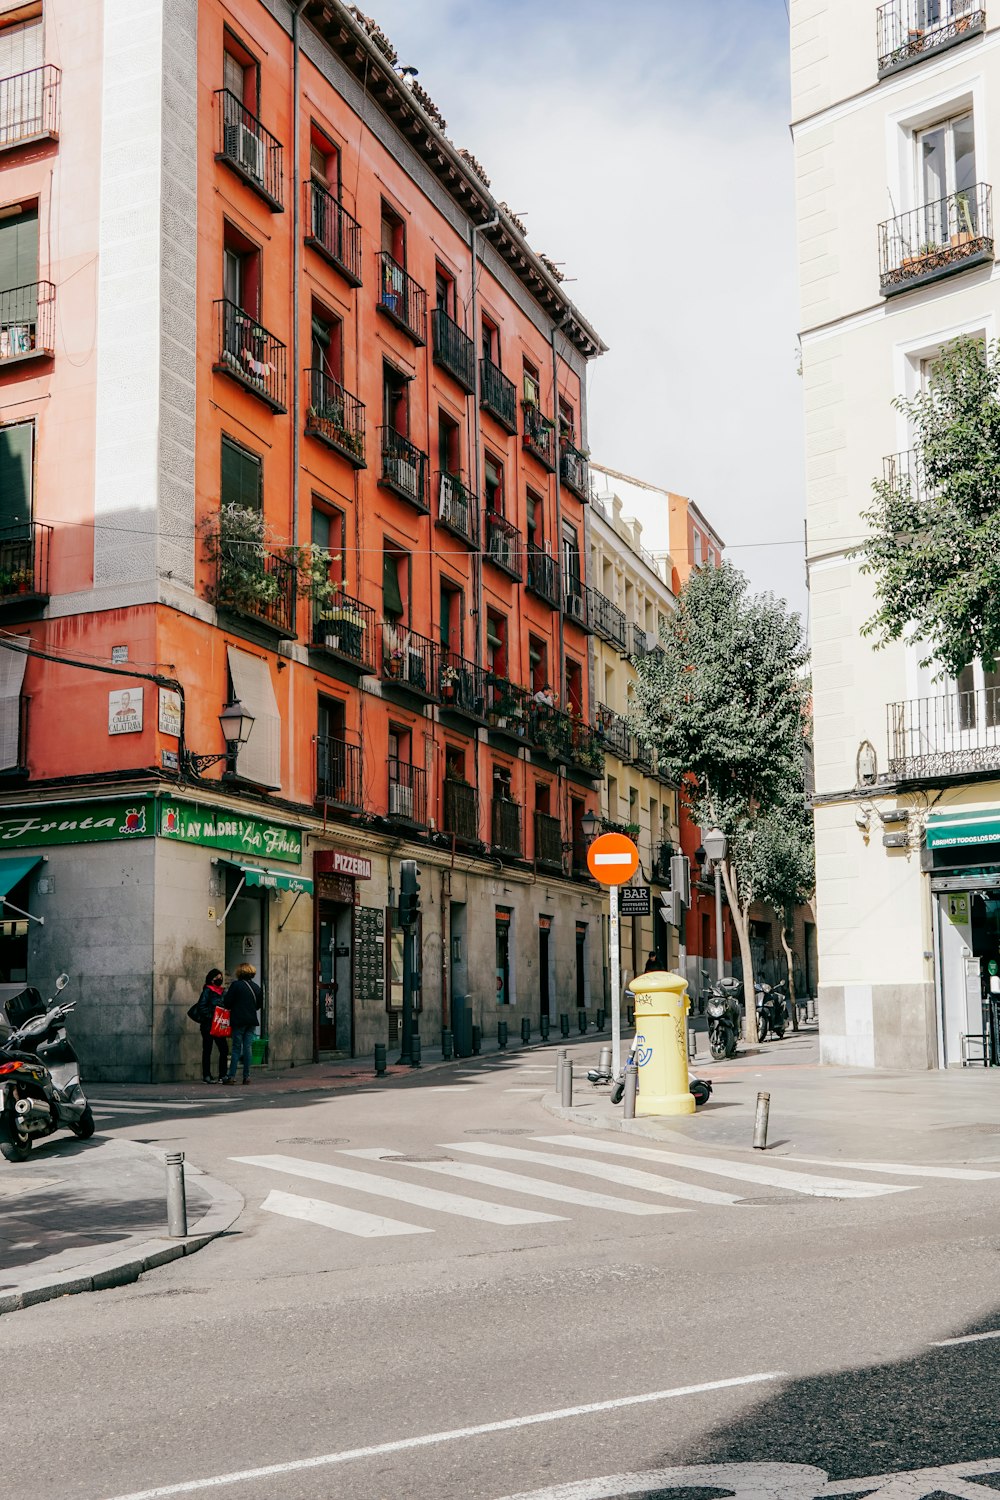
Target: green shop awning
(272,880)
(13,869)
(963,829)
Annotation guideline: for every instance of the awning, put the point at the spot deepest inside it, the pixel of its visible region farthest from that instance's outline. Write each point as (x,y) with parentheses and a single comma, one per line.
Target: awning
(13,869)
(254,877)
(963,829)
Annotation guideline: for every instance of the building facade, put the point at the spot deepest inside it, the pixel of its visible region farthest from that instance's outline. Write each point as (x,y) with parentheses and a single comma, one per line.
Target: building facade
(291,417)
(895,107)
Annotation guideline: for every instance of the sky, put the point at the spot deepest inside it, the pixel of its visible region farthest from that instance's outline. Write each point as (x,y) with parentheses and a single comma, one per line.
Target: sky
(645,145)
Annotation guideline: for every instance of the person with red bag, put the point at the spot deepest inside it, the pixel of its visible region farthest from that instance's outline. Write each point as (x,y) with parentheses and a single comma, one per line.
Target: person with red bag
(243,1000)
(203,1011)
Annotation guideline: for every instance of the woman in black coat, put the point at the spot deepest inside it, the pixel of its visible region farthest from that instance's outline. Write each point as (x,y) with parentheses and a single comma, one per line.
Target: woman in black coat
(211,996)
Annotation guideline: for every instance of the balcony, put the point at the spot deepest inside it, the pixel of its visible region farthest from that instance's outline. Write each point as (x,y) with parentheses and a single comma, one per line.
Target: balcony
(638,642)
(332,232)
(539,437)
(403,469)
(335,417)
(498,395)
(548,843)
(251,356)
(506,828)
(661,863)
(643,756)
(460,811)
(29,107)
(566,740)
(910,30)
(256,584)
(576,601)
(407,794)
(573,469)
(608,621)
(509,708)
(613,731)
(454,351)
(463,687)
(338,775)
(28,322)
(954,735)
(346,630)
(401,299)
(939,239)
(24,568)
(249,150)
(503,545)
(543,575)
(410,662)
(458,508)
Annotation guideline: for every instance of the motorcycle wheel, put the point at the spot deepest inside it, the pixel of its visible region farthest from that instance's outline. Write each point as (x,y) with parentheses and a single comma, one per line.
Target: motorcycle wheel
(12,1146)
(618,1092)
(85,1126)
(761,1029)
(730,1050)
(718,1049)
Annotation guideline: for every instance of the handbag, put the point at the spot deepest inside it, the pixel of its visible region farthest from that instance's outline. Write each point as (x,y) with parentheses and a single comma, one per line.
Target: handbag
(220,1022)
(194,1013)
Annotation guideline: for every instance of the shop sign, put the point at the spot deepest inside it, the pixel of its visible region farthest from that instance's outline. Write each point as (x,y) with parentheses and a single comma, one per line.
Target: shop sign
(958,909)
(125,711)
(633,901)
(76,823)
(961,830)
(218,828)
(355,866)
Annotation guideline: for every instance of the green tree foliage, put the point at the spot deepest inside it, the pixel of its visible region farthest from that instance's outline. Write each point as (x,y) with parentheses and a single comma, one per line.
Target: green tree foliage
(781,853)
(934,544)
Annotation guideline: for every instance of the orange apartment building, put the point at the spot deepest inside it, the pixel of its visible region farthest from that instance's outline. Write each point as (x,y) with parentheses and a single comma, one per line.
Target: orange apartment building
(291,418)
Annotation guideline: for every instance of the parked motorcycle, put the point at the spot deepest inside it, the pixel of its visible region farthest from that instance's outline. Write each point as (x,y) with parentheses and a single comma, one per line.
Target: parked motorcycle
(40,1089)
(723,1018)
(772,1010)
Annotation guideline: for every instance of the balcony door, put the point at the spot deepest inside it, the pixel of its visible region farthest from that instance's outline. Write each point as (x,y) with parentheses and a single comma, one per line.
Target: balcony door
(19,271)
(21,60)
(946,175)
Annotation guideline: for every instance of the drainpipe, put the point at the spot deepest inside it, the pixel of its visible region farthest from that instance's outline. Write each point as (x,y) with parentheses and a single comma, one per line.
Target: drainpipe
(475,437)
(562,782)
(296,267)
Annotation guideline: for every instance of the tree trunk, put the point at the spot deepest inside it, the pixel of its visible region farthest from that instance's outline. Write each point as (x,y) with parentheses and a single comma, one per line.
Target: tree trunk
(741,921)
(792,1006)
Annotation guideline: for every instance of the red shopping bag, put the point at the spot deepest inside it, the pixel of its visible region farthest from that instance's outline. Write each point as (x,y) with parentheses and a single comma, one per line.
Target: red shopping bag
(221,1025)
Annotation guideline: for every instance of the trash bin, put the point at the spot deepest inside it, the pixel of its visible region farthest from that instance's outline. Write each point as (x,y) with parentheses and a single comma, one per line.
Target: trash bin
(661,1007)
(258,1051)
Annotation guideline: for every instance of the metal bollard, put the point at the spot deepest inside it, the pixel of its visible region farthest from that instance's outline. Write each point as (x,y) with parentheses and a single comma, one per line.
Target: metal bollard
(601,1018)
(604,1063)
(525,1030)
(631,1089)
(415,1051)
(502,1035)
(177,1218)
(544,1027)
(560,1063)
(379,1059)
(447,1044)
(564,1024)
(581,1020)
(566,1084)
(477,1040)
(760,1122)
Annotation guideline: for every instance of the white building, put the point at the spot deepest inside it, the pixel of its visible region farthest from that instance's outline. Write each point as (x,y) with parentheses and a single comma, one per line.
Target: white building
(895,110)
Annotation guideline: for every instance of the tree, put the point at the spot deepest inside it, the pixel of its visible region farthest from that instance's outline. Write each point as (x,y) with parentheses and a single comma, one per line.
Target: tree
(934,543)
(724,702)
(784,860)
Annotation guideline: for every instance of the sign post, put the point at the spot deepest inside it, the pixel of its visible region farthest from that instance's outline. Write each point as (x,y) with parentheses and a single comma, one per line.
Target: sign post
(613,859)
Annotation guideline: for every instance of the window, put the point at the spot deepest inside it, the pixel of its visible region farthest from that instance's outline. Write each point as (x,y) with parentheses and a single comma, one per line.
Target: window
(574,686)
(444,291)
(241,271)
(538,664)
(493,484)
(329,527)
(978,698)
(324,163)
(496,643)
(504,919)
(491,341)
(697,549)
(21,57)
(327,344)
(16,477)
(242,477)
(19,254)
(567,421)
(449,445)
(536,521)
(571,558)
(241,74)
(532,385)
(393,234)
(395,400)
(451,617)
(543,797)
(395,571)
(946,164)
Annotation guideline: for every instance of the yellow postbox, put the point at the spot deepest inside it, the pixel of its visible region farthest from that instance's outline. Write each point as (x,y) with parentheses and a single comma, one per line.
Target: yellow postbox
(661,1007)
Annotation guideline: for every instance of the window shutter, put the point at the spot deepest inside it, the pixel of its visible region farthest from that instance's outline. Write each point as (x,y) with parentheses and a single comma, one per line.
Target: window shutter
(20,47)
(16,444)
(392,599)
(241,477)
(260,758)
(12,665)
(19,251)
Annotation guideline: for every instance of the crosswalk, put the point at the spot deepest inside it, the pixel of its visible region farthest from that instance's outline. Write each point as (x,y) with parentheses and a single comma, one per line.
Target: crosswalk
(488,1181)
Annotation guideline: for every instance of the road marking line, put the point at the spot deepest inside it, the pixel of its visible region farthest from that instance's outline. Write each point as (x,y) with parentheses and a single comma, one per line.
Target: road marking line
(334,1216)
(745,1481)
(124,1105)
(794,1182)
(630,1177)
(513,1182)
(450,1088)
(431,1439)
(959,1174)
(535,1089)
(967,1338)
(405,1192)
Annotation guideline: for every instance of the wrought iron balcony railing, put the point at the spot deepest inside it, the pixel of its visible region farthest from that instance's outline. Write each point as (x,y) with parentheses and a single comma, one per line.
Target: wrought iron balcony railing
(613,731)
(404,468)
(458,508)
(463,687)
(338,774)
(402,299)
(509,708)
(567,739)
(24,564)
(910,30)
(506,827)
(608,621)
(333,232)
(503,544)
(29,106)
(251,356)
(543,575)
(28,322)
(498,395)
(539,436)
(256,583)
(638,641)
(411,662)
(460,811)
(249,150)
(643,755)
(576,600)
(939,238)
(407,793)
(573,470)
(335,417)
(548,841)
(454,351)
(346,628)
(955,734)
(661,863)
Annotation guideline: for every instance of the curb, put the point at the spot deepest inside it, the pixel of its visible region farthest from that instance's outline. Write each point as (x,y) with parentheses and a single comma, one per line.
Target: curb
(127,1266)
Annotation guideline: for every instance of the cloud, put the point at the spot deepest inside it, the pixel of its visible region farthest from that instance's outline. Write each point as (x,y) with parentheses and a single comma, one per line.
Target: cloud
(646,142)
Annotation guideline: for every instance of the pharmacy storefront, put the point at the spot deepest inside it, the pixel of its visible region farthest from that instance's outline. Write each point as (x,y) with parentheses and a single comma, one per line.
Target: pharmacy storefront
(962,859)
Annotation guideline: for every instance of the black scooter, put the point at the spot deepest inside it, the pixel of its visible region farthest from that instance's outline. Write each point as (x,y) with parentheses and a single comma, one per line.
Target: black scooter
(772,1011)
(40,1089)
(724,1018)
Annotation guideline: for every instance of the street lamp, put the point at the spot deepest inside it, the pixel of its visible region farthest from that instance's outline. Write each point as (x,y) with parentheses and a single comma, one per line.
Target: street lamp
(236,722)
(589,823)
(715,845)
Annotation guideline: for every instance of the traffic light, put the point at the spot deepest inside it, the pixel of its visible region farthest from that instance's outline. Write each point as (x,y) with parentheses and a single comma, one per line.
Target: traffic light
(671,908)
(680,878)
(409,892)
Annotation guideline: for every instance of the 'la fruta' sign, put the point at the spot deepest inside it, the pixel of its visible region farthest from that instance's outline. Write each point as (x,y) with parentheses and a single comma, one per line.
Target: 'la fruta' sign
(219,828)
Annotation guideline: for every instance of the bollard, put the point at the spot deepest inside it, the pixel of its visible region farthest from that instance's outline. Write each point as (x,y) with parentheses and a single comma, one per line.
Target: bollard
(543,1027)
(566,1085)
(447,1044)
(581,1020)
(477,1040)
(564,1024)
(177,1219)
(379,1059)
(502,1035)
(415,1051)
(601,1018)
(760,1122)
(560,1064)
(525,1030)
(604,1063)
(631,1089)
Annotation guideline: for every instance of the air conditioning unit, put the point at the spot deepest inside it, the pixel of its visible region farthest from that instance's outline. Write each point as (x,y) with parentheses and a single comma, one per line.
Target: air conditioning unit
(251,155)
(574,606)
(400,800)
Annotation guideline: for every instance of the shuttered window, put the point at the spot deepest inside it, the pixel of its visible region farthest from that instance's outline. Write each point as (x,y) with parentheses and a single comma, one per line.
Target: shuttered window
(20,47)
(242,477)
(392,599)
(12,665)
(16,453)
(19,250)
(260,758)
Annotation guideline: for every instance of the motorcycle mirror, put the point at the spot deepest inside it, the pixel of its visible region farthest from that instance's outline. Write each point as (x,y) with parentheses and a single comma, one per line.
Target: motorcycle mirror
(62,982)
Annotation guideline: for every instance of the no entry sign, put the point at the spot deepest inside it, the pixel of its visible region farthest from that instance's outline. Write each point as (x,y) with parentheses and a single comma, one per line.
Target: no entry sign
(612,859)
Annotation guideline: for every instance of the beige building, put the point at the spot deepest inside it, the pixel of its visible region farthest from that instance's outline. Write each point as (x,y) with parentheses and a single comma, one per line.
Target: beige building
(895,108)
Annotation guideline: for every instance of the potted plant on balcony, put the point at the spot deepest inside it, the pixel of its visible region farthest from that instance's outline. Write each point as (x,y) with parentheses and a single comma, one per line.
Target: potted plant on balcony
(22,580)
(237,542)
(449,682)
(395,646)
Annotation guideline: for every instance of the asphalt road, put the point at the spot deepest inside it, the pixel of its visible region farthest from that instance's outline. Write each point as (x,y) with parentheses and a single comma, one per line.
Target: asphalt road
(547,1334)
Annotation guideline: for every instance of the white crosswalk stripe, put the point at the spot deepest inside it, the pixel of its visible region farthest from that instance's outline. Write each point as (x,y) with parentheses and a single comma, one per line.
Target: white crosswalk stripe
(334,1216)
(148,1107)
(740,1171)
(948,1174)
(629,1177)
